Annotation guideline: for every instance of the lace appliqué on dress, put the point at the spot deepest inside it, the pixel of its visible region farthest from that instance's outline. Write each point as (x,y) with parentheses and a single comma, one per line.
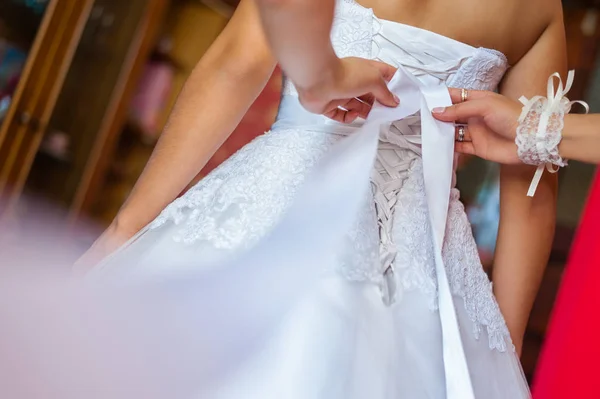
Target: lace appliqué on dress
(469,281)
(415,264)
(482,71)
(241,200)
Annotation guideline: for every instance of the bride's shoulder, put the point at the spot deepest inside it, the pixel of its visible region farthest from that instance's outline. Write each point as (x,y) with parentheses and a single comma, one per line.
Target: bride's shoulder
(542,13)
(532,21)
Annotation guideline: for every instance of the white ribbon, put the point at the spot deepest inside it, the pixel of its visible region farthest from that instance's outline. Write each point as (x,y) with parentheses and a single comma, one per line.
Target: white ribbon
(438,157)
(346,169)
(209,320)
(557,101)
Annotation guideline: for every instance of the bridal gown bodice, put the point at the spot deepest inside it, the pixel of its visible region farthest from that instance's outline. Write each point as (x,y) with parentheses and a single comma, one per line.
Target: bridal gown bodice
(395,285)
(393,229)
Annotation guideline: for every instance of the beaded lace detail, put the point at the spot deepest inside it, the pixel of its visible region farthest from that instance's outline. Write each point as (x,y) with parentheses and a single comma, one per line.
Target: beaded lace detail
(534,149)
(416,267)
(240,201)
(484,70)
(540,128)
(352,36)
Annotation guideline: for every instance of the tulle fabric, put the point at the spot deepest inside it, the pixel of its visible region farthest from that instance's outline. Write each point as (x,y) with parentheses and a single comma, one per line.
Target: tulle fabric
(170,340)
(161,319)
(331,338)
(281,324)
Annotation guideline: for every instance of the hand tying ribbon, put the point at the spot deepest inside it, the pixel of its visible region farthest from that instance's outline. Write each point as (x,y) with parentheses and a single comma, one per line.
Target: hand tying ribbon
(357,153)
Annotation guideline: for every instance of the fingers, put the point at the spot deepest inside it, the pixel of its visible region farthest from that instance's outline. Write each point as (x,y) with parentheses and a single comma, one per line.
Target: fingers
(342,115)
(456,95)
(461,113)
(476,105)
(383,94)
(348,111)
(464,148)
(484,143)
(367,99)
(462,130)
(359,105)
(379,88)
(366,79)
(387,71)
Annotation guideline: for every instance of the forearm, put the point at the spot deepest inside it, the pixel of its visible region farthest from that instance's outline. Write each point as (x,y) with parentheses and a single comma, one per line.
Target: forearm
(212,103)
(524,243)
(581,138)
(299,34)
(526,230)
(527,224)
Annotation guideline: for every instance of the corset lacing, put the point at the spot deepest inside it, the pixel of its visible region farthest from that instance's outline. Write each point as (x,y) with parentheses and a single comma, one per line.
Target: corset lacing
(400,141)
(400,144)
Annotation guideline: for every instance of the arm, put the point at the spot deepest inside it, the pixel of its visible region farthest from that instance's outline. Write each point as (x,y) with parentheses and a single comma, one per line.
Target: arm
(581,138)
(492,129)
(299,34)
(527,224)
(216,96)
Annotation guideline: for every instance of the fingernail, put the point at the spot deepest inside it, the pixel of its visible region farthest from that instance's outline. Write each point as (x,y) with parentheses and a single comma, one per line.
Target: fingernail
(396,99)
(438,110)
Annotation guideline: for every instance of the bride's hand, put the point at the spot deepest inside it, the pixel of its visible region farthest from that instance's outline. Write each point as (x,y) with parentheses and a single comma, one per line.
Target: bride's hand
(490,121)
(350,90)
(111,240)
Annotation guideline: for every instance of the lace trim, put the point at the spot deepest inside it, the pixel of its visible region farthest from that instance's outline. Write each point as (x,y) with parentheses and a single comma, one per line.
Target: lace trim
(415,265)
(232,209)
(540,147)
(482,71)
(240,201)
(469,281)
(540,128)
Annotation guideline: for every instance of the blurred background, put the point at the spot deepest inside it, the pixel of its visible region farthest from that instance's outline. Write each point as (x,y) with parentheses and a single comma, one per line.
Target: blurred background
(86,87)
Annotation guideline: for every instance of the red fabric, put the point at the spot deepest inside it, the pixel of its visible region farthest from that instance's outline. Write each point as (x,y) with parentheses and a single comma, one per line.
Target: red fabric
(570,361)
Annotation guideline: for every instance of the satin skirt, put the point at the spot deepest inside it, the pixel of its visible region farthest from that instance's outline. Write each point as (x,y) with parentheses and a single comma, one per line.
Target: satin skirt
(282,246)
(330,336)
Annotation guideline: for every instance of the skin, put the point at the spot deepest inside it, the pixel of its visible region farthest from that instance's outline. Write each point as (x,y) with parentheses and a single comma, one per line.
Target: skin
(531,35)
(233,71)
(236,68)
(491,121)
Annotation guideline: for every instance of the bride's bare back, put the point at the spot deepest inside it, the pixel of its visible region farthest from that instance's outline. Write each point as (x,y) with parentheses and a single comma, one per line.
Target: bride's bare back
(510,26)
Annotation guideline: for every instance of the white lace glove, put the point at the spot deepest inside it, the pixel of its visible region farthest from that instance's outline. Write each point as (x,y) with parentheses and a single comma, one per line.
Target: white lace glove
(540,128)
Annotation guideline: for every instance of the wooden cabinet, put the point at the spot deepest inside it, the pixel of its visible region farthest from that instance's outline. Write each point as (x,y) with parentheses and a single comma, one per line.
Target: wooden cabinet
(33,102)
(83,60)
(190,28)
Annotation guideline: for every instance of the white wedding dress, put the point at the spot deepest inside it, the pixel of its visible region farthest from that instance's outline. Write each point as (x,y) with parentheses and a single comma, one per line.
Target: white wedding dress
(368,325)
